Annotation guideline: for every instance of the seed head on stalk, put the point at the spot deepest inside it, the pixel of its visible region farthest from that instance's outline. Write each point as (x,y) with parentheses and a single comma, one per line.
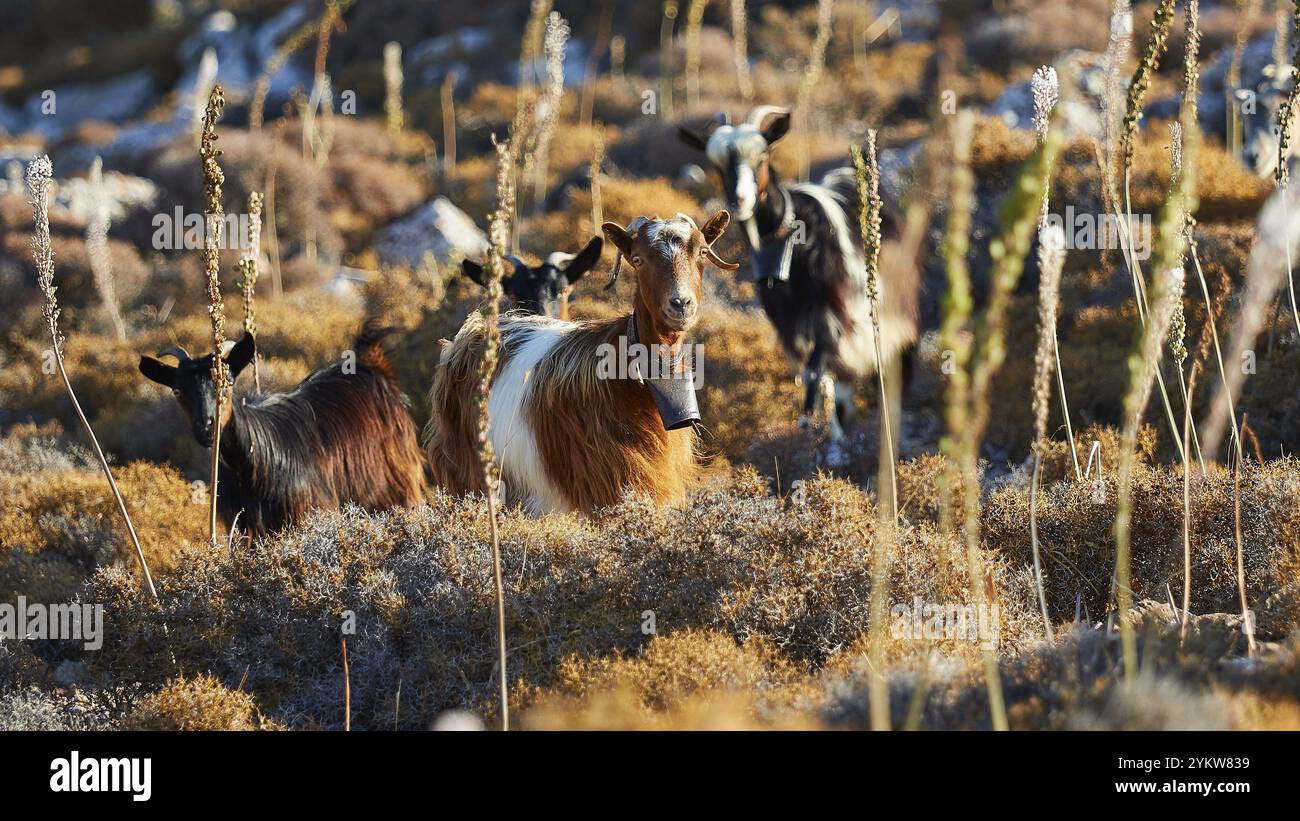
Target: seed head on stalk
(213,178)
(1141,83)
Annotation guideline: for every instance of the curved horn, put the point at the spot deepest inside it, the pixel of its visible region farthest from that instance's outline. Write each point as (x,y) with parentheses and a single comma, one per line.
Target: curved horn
(176,351)
(718,261)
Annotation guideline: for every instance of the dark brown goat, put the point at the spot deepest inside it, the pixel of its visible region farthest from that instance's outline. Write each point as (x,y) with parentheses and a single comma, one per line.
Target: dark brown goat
(344,435)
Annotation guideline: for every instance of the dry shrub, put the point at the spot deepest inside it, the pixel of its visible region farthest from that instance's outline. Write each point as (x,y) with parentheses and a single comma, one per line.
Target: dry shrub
(198,703)
(737,562)
(1076,520)
(58,526)
(691,679)
(77,293)
(302,189)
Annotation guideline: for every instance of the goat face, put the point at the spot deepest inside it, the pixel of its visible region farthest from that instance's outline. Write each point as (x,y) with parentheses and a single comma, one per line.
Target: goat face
(668,257)
(542,289)
(740,154)
(1259,112)
(191,383)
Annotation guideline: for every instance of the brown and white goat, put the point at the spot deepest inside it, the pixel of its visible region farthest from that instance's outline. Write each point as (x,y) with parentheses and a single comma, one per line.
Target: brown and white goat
(344,435)
(569,435)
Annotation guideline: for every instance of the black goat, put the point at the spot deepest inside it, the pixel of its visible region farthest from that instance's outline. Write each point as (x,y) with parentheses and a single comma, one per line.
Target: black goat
(345,434)
(542,289)
(808,259)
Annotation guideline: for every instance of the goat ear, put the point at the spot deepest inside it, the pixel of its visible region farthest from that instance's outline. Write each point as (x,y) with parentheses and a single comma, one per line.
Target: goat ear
(618,235)
(775,125)
(240,355)
(474,271)
(584,261)
(716,225)
(156,371)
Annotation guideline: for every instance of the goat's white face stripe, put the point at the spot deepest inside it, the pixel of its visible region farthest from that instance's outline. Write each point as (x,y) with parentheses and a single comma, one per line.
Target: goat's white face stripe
(669,236)
(746,191)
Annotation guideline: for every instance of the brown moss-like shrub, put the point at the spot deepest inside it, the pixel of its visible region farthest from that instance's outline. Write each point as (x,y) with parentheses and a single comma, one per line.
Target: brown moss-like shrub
(58,526)
(694,679)
(737,561)
(198,703)
(1075,527)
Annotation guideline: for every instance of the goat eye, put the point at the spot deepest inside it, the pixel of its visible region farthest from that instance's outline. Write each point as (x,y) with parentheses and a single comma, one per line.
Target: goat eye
(636,260)
(176,393)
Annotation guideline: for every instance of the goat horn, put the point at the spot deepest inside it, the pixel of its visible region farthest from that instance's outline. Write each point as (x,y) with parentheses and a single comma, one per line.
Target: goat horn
(174,350)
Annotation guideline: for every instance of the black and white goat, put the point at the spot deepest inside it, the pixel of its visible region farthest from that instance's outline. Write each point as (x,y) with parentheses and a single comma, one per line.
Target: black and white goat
(808,259)
(542,289)
(345,434)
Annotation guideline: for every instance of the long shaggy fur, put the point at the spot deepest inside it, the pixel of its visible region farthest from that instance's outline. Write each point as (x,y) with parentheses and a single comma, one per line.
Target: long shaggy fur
(336,438)
(594,438)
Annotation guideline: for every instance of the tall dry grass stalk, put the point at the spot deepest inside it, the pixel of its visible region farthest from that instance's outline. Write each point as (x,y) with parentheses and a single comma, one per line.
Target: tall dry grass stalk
(548,106)
(811,75)
(1144,364)
(867,176)
(530,47)
(1152,52)
(204,80)
(955,338)
(740,49)
(101,261)
(1118,48)
(1051,261)
(213,178)
(1046,91)
(1019,213)
(1184,621)
(604,28)
(40,176)
(449,122)
(498,236)
(393,88)
(666,59)
(1285,123)
(247,284)
(1246,13)
(272,67)
(694,20)
(597,162)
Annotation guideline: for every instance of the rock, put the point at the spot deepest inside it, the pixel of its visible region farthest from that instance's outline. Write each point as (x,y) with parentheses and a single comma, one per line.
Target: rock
(241,50)
(429,60)
(438,228)
(113,101)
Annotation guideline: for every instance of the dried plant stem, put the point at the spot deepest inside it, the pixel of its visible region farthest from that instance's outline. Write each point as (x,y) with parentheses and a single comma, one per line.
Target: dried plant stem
(393,88)
(954,334)
(1187,520)
(212,182)
(666,58)
(248,277)
(1144,364)
(347,690)
(1051,256)
(101,261)
(597,161)
(40,175)
(587,104)
(548,107)
(812,74)
(498,232)
(1247,618)
(869,210)
(740,46)
(449,122)
(694,20)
